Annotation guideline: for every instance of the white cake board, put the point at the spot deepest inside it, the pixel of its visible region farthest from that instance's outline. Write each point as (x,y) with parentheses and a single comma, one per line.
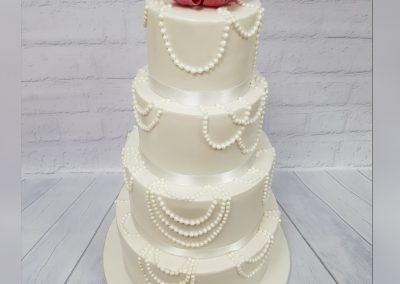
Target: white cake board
(114,268)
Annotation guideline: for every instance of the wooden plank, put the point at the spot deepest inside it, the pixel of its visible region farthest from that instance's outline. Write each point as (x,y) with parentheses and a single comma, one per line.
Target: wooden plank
(353,210)
(38,218)
(55,256)
(33,187)
(344,253)
(367,173)
(305,265)
(90,269)
(355,182)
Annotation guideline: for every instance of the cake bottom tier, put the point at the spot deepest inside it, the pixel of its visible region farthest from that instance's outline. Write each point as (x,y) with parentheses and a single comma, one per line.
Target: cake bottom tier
(130,259)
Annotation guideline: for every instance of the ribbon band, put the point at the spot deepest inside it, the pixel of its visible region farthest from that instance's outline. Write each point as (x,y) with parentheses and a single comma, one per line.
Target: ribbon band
(200,180)
(192,98)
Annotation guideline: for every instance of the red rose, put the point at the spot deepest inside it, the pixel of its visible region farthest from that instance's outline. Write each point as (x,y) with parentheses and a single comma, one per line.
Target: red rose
(207,3)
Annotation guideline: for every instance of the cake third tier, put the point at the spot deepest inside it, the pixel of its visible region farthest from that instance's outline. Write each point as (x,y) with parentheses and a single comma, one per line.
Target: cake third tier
(198,214)
(198,139)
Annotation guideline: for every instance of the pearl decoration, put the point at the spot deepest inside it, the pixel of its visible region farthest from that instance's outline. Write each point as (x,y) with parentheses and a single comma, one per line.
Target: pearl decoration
(268,180)
(123,226)
(188,222)
(192,70)
(267,188)
(164,222)
(192,223)
(186,271)
(236,138)
(261,257)
(145,111)
(247,120)
(239,29)
(136,165)
(252,175)
(242,123)
(160,185)
(129,180)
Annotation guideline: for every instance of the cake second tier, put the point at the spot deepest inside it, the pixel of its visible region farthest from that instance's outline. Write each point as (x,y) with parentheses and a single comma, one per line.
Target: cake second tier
(200,139)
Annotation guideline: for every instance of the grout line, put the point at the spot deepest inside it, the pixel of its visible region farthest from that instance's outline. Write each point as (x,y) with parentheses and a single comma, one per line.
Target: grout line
(306,241)
(91,240)
(49,257)
(364,175)
(336,213)
(345,187)
(44,193)
(59,218)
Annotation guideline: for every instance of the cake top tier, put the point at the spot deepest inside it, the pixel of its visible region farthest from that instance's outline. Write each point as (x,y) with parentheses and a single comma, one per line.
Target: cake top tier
(240,9)
(202,49)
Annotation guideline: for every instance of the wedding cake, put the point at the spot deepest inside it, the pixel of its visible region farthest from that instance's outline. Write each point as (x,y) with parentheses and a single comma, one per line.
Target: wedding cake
(197,205)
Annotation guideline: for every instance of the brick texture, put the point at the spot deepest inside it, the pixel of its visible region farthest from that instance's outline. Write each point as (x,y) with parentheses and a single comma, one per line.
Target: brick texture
(80,56)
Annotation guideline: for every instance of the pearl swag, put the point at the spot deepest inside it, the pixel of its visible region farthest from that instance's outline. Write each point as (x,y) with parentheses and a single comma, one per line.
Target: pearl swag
(221,50)
(260,257)
(242,123)
(164,220)
(186,270)
(188,266)
(173,56)
(140,112)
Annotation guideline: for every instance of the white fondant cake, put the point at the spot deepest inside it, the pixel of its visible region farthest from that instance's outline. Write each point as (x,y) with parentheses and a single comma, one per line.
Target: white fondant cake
(197,206)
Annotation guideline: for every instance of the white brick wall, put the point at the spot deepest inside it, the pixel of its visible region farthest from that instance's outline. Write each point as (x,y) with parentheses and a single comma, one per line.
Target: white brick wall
(79,57)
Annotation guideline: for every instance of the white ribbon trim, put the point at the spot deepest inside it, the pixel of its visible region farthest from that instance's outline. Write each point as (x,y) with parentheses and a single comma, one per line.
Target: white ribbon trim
(192,98)
(200,180)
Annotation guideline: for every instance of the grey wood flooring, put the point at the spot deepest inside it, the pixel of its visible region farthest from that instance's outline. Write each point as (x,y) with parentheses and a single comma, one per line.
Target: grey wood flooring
(327,217)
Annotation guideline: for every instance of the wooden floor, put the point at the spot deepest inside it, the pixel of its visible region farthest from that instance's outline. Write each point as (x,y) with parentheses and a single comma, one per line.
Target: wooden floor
(327,216)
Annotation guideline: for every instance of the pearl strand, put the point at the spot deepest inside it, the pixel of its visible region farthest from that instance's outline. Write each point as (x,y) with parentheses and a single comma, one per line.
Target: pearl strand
(223,145)
(188,222)
(138,111)
(123,226)
(262,256)
(182,66)
(142,111)
(247,120)
(242,123)
(240,30)
(186,270)
(247,150)
(268,179)
(160,185)
(257,44)
(130,154)
(188,234)
(273,214)
(149,127)
(195,244)
(267,188)
(129,180)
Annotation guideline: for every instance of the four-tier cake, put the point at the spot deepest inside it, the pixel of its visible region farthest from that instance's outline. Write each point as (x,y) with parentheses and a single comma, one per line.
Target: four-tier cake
(197,205)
